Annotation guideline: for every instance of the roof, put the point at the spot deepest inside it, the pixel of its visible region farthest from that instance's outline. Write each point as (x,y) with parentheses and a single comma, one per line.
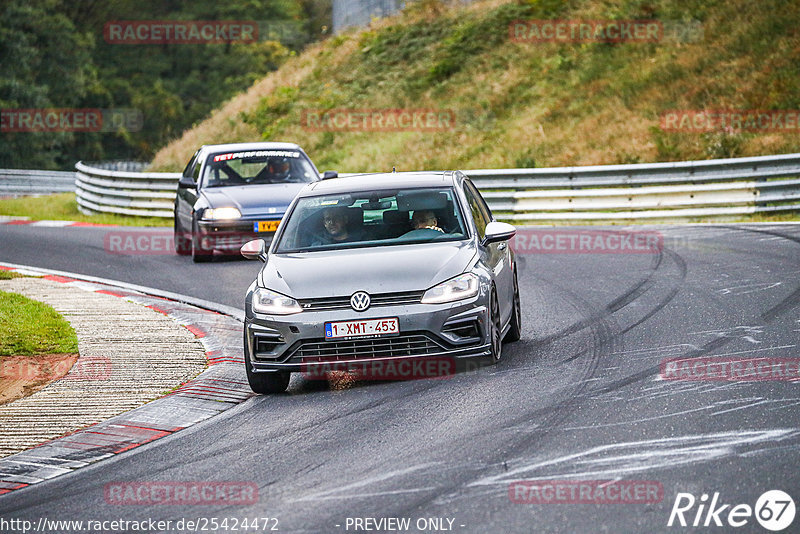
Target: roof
(378,181)
(234,147)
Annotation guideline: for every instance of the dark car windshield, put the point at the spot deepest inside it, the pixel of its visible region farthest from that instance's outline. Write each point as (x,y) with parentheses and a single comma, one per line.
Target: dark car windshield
(372,218)
(257,167)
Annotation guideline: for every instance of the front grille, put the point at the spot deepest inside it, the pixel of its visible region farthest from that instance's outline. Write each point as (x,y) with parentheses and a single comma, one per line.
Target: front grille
(382,299)
(387,347)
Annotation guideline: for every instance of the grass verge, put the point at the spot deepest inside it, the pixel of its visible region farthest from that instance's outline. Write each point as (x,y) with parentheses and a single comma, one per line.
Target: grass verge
(29,327)
(63,207)
(8,275)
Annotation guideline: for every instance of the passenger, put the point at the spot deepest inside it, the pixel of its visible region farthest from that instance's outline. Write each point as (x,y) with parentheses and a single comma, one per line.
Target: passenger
(425,224)
(425,219)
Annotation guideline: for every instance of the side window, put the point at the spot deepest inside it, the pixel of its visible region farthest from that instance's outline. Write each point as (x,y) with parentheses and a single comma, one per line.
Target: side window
(187,171)
(196,172)
(484,206)
(476,208)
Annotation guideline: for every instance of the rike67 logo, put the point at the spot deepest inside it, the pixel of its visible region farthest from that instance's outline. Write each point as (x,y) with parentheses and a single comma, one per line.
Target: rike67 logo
(774,510)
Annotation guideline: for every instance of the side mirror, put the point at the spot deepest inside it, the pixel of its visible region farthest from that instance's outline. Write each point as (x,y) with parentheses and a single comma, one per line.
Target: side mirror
(498,231)
(327,175)
(186,182)
(255,250)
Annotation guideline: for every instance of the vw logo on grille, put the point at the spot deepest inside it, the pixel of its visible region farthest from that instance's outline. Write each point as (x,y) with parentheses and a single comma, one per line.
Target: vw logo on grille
(359,301)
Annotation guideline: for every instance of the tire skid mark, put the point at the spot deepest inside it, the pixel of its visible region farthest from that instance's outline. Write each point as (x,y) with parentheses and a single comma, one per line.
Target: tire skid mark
(604,340)
(629,296)
(660,305)
(627,458)
(767,316)
(580,393)
(589,391)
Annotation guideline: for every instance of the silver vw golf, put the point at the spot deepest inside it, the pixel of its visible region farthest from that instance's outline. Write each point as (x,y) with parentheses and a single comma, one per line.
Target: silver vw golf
(372,272)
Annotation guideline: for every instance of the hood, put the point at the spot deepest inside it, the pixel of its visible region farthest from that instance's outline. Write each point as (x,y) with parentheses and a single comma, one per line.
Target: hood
(386,269)
(253,200)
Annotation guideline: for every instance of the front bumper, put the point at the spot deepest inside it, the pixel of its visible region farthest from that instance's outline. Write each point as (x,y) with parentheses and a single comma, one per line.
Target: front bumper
(229,236)
(297,342)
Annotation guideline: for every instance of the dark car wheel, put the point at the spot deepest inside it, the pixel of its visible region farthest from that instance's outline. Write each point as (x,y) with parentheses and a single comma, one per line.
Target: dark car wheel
(264,383)
(183,246)
(199,255)
(495,330)
(515,328)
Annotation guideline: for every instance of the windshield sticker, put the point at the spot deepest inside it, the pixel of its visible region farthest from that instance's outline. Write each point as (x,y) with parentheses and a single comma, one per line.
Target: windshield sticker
(257,154)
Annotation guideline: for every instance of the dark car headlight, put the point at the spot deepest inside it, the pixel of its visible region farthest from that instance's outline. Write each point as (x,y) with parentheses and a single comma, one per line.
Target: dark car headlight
(461,287)
(221,214)
(273,303)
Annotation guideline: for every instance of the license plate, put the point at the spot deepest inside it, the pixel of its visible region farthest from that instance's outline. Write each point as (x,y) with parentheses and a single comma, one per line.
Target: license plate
(265,226)
(365,328)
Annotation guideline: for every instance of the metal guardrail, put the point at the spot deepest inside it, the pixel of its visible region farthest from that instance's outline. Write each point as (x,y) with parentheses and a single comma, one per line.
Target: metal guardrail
(125,192)
(680,190)
(19,182)
(687,189)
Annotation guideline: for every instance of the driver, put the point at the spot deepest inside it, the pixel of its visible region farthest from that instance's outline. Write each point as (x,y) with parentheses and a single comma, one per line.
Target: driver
(279,169)
(334,227)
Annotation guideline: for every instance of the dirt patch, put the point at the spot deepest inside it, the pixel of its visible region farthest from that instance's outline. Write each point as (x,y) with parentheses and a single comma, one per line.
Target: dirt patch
(21,376)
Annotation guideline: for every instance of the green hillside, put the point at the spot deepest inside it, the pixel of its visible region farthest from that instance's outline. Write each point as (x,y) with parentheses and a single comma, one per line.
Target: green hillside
(522,104)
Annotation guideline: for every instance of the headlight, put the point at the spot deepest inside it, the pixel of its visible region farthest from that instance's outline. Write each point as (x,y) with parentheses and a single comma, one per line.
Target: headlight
(267,301)
(461,287)
(218,214)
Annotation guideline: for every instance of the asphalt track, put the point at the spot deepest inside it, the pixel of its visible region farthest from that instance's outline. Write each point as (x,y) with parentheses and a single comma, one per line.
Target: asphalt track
(579,398)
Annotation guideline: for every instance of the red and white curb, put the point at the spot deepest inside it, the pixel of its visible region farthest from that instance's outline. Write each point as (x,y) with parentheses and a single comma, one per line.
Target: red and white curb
(220,387)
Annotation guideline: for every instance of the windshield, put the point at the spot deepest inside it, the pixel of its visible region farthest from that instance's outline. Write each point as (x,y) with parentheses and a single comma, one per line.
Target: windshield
(257,167)
(372,218)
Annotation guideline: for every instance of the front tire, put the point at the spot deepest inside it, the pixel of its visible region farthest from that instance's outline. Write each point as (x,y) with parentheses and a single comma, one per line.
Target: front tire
(515,328)
(183,247)
(266,383)
(199,255)
(495,331)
